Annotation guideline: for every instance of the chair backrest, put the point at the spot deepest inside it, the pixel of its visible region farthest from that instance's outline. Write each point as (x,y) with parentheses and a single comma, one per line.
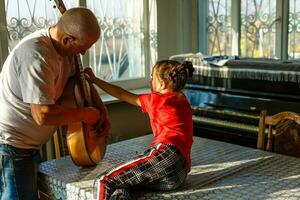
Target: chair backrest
(269,122)
(56,147)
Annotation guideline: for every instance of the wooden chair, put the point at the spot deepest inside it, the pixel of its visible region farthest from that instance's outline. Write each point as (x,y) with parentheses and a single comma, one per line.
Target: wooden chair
(56,147)
(282,135)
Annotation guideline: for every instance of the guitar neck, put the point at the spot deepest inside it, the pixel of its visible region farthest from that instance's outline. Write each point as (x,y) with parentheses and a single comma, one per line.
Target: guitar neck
(83,81)
(62,8)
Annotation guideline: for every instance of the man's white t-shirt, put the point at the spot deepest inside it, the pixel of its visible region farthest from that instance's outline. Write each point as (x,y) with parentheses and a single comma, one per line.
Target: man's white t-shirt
(33,73)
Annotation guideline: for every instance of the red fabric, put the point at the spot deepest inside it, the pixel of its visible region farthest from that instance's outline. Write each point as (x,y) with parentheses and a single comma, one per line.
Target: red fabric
(171,120)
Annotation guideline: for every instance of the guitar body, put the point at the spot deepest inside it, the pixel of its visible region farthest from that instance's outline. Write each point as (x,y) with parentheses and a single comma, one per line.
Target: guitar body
(86,143)
(86,147)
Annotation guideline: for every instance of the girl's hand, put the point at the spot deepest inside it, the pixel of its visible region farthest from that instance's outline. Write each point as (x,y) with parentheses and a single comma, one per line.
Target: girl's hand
(89,74)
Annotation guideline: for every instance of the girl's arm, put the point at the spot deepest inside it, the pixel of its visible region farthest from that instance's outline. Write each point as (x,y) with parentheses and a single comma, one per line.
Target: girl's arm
(113,90)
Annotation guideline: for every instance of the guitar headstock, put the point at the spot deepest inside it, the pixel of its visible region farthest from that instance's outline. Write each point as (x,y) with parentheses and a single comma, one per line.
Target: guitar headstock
(60,5)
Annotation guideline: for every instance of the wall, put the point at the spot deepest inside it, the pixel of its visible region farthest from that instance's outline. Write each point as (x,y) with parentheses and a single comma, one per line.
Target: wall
(127,121)
(176,27)
(3,32)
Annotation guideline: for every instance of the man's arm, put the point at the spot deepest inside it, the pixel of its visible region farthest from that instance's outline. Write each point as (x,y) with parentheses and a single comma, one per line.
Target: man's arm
(45,114)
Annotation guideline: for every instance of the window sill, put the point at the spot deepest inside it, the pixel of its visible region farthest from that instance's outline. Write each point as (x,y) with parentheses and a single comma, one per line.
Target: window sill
(108,99)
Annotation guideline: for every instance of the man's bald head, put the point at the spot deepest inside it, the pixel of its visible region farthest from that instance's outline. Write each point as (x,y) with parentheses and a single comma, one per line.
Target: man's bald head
(80,23)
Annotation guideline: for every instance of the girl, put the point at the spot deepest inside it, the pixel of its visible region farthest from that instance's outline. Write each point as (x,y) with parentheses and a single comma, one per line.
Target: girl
(164,166)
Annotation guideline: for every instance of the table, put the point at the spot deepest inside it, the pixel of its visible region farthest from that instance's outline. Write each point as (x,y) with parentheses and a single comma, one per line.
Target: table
(220,171)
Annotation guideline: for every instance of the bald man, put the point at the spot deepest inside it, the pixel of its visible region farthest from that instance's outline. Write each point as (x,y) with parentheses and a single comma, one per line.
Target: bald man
(32,80)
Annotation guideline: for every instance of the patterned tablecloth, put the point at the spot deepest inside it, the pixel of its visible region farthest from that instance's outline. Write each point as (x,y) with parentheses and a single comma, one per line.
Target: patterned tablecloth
(220,171)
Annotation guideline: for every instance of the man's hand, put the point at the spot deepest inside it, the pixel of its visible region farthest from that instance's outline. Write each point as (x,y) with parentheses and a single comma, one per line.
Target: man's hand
(106,127)
(103,128)
(91,115)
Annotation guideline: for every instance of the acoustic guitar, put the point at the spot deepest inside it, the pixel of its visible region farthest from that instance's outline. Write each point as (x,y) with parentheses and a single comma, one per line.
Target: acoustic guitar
(86,143)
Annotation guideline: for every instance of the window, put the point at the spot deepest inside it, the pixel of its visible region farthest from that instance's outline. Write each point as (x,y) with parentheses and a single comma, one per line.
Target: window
(250,28)
(127,46)
(219,27)
(258,19)
(294,29)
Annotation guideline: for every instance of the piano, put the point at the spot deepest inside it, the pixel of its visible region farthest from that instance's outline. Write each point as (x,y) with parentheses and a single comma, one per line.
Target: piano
(227,98)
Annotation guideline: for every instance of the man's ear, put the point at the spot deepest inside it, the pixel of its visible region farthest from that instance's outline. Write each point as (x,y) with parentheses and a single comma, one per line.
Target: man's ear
(67,40)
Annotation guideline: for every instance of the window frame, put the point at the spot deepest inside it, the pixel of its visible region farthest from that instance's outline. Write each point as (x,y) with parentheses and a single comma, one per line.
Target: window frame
(282,13)
(134,83)
(3,32)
